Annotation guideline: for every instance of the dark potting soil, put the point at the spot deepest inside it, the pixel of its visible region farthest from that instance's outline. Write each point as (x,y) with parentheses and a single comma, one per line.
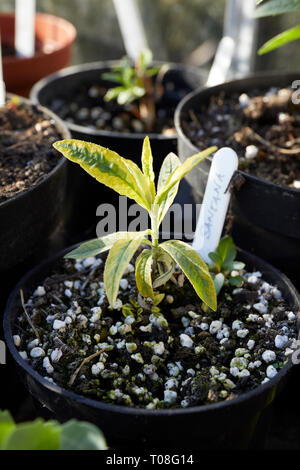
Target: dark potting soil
(175,355)
(26,152)
(262,126)
(86,106)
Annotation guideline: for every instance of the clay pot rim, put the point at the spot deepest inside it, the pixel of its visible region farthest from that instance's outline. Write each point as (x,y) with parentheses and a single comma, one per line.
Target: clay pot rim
(68,26)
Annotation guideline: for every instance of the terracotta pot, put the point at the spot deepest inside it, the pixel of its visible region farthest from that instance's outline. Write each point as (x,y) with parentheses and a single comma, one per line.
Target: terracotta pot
(54,39)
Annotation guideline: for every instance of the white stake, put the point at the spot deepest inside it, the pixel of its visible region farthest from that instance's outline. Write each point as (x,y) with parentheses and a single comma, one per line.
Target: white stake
(132,28)
(25,28)
(2,84)
(215,202)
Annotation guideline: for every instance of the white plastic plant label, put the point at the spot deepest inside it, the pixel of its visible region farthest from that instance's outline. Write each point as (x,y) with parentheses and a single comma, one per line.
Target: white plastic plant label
(131,26)
(25,28)
(215,202)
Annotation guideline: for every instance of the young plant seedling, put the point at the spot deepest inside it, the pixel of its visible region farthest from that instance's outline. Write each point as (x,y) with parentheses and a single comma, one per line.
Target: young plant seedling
(135,87)
(225,265)
(155,265)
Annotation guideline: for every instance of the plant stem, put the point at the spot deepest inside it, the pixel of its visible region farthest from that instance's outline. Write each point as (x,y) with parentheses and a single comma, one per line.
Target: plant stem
(154,237)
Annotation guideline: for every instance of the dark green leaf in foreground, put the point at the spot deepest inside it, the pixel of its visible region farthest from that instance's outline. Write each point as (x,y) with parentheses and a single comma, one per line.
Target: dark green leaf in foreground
(79,435)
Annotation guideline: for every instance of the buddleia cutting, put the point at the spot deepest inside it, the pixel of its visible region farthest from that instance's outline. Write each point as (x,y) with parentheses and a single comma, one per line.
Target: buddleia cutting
(155,264)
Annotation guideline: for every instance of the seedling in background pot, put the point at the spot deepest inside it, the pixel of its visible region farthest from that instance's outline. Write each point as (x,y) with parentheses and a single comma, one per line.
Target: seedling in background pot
(135,87)
(155,265)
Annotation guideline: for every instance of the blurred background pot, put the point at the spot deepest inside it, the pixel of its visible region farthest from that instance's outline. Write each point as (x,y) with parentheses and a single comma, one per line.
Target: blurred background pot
(228,424)
(85,194)
(32,220)
(265,215)
(54,39)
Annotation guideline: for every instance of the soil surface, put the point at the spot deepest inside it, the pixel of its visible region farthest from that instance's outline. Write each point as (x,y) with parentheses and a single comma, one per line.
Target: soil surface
(174,355)
(86,106)
(262,126)
(26,152)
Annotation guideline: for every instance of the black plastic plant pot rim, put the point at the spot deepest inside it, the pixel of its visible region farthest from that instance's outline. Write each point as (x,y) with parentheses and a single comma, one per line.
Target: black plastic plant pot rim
(84,68)
(8,333)
(261,77)
(61,127)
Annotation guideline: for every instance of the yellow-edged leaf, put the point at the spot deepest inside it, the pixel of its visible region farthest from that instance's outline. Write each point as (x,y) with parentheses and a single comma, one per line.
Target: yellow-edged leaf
(99,245)
(118,258)
(147,165)
(164,276)
(180,172)
(194,268)
(170,163)
(143,271)
(109,168)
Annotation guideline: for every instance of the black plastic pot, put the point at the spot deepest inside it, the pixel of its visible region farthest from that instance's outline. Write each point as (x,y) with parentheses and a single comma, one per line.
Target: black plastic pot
(230,424)
(266,215)
(85,193)
(30,220)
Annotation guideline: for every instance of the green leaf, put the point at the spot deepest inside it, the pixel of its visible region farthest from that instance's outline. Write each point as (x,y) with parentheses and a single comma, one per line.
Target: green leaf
(126,96)
(227,252)
(109,168)
(238,265)
(152,71)
(158,299)
(6,417)
(236,281)
(113,93)
(7,425)
(216,259)
(99,245)
(180,172)
(219,280)
(145,59)
(37,435)
(170,163)
(138,91)
(194,268)
(164,277)
(118,258)
(147,164)
(77,435)
(277,7)
(112,77)
(280,40)
(143,271)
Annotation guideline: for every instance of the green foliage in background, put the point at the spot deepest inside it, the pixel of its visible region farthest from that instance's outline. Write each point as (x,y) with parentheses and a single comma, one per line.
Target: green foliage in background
(278,7)
(43,435)
(131,78)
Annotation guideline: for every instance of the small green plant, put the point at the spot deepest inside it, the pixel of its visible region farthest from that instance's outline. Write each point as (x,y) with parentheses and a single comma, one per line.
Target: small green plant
(225,265)
(43,435)
(135,87)
(155,265)
(278,7)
